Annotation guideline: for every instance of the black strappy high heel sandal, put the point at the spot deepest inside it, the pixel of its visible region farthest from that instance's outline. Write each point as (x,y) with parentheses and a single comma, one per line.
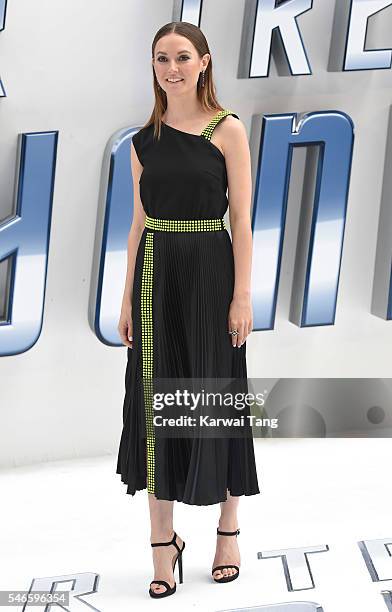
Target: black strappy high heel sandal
(220,567)
(169,590)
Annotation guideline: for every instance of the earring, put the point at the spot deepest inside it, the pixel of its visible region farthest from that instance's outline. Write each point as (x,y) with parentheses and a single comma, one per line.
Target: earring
(202,78)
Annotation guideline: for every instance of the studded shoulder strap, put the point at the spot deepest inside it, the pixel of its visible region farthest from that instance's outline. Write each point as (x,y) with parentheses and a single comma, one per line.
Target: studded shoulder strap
(208,130)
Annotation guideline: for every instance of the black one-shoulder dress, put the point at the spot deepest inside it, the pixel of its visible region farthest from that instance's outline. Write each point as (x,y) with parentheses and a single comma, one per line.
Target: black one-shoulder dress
(182,289)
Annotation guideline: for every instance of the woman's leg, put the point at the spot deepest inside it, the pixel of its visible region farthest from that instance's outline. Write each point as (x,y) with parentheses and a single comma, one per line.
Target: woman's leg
(161,517)
(227,550)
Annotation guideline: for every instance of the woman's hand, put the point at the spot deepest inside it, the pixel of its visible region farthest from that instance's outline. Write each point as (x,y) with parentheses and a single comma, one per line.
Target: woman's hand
(125,326)
(240,318)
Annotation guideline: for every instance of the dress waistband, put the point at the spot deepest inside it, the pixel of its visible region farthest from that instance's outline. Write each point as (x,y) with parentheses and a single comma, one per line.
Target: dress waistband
(185,225)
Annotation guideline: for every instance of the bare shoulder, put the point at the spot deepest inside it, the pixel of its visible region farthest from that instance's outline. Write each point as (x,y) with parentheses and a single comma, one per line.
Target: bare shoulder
(231,134)
(231,128)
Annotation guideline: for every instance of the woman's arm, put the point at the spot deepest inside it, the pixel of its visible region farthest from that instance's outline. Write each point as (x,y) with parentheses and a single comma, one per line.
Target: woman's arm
(125,326)
(234,142)
(137,227)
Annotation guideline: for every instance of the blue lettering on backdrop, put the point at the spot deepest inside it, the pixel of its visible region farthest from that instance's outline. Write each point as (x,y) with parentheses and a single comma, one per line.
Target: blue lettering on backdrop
(274,31)
(319,250)
(115,213)
(24,238)
(357,57)
(349,35)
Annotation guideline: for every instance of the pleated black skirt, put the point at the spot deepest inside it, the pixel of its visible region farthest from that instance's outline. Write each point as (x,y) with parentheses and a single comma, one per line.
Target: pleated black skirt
(189,293)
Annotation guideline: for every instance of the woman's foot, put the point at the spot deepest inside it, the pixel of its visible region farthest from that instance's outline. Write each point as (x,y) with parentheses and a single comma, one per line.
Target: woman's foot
(163,559)
(227,551)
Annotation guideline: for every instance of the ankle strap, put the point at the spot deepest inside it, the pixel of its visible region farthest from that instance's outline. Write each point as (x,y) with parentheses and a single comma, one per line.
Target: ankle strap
(172,541)
(230,533)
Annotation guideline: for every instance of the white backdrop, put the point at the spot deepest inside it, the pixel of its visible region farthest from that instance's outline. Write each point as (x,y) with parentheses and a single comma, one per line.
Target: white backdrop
(83,68)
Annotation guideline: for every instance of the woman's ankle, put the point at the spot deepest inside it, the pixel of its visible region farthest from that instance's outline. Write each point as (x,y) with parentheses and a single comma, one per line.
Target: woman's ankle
(228,523)
(161,535)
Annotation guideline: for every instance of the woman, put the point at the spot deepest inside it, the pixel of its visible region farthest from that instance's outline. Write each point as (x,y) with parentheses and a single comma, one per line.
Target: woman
(186,311)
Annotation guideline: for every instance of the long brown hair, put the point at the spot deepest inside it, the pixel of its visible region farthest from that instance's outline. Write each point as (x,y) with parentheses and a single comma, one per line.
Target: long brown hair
(206,94)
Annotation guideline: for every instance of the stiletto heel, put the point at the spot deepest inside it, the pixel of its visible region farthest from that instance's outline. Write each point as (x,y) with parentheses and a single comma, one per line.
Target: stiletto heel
(169,590)
(180,566)
(220,567)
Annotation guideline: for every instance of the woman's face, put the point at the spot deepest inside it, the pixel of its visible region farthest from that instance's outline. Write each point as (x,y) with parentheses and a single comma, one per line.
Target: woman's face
(175,57)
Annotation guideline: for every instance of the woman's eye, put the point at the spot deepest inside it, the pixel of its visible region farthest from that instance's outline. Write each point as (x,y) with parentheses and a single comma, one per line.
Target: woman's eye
(162,57)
